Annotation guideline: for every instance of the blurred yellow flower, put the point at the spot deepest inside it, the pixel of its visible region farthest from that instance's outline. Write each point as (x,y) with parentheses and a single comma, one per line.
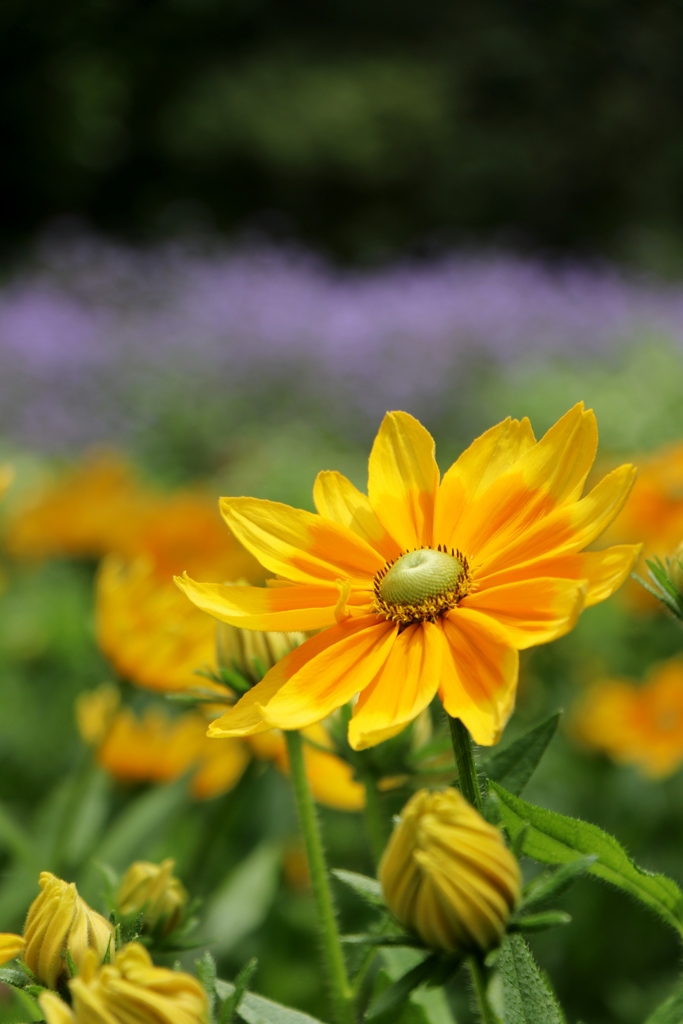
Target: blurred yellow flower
(153,891)
(638,725)
(436,584)
(95,712)
(447,874)
(58,921)
(10,946)
(131,990)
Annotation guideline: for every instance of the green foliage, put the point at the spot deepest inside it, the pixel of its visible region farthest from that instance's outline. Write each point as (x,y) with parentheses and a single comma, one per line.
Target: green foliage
(515,764)
(670,1012)
(553,838)
(17,1007)
(367,888)
(527,996)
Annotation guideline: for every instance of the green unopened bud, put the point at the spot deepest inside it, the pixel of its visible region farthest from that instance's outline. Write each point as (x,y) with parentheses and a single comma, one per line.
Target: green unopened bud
(448,875)
(153,891)
(58,923)
(252,652)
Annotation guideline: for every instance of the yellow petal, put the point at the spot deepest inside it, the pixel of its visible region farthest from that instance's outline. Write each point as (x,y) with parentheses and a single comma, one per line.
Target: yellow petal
(405,685)
(332,781)
(403,480)
(336,498)
(478,674)
(314,687)
(475,470)
(284,609)
(10,946)
(316,678)
(299,545)
(220,769)
(55,1010)
(604,571)
(531,611)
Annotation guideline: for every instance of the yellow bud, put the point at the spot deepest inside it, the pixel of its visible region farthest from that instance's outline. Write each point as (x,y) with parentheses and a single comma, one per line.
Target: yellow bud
(10,946)
(447,874)
(59,920)
(153,891)
(676,569)
(252,651)
(130,989)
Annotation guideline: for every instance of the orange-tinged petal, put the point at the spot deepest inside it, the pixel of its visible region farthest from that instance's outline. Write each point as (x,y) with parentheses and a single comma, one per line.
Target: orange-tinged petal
(312,681)
(531,611)
(565,530)
(299,545)
(475,470)
(604,571)
(332,782)
(403,480)
(308,606)
(315,686)
(478,675)
(405,685)
(337,499)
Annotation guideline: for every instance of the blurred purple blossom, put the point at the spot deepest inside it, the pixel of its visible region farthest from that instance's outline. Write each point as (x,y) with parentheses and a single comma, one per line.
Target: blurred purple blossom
(93,334)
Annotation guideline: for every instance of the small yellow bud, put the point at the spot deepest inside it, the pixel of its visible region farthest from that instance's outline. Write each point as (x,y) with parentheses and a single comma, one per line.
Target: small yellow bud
(10,946)
(676,569)
(252,651)
(447,874)
(153,891)
(130,989)
(59,920)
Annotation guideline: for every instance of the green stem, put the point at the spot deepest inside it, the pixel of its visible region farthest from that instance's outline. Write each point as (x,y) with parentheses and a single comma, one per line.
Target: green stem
(479,983)
(375,823)
(464,759)
(341,992)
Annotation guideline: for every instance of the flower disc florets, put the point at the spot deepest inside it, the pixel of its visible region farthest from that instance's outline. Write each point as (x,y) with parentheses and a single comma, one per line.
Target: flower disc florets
(421,585)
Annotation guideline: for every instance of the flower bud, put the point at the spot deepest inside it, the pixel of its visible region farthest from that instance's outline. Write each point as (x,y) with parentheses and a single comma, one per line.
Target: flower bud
(251,651)
(10,946)
(59,920)
(447,874)
(153,891)
(129,989)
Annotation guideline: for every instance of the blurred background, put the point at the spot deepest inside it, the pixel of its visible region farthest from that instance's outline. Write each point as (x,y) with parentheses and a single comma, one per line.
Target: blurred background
(234,233)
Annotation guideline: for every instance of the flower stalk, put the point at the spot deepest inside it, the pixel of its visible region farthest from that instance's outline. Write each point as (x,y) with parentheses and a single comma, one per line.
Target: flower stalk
(341,991)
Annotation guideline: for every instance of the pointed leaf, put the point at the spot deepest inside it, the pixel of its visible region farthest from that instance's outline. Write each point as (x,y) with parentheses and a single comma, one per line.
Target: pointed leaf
(17,1007)
(556,839)
(670,1012)
(366,939)
(539,922)
(527,996)
(396,994)
(551,884)
(368,888)
(255,1009)
(242,982)
(515,764)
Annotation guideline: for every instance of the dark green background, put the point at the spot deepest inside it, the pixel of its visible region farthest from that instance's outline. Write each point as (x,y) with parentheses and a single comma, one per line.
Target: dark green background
(361,128)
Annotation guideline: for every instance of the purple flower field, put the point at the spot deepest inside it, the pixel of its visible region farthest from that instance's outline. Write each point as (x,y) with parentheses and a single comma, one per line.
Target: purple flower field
(94,336)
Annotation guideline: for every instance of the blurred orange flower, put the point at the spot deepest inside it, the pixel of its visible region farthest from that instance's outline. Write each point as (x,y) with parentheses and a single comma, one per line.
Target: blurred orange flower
(638,725)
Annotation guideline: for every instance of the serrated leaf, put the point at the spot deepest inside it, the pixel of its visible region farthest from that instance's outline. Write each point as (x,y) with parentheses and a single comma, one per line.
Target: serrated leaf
(670,1012)
(540,922)
(255,1009)
(396,994)
(368,888)
(515,764)
(551,884)
(557,839)
(17,1007)
(527,996)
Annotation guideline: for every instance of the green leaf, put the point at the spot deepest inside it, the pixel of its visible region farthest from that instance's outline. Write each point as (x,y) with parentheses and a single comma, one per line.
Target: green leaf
(140,824)
(539,922)
(255,1009)
(551,884)
(527,996)
(17,1007)
(206,972)
(556,839)
(368,888)
(243,901)
(396,994)
(366,939)
(242,982)
(515,764)
(670,1012)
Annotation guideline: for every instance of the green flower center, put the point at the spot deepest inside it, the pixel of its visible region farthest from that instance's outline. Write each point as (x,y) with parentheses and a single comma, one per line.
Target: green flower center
(421,585)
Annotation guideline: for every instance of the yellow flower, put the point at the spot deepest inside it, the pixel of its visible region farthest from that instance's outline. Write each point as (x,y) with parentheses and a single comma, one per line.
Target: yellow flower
(447,874)
(154,891)
(638,725)
(128,991)
(10,946)
(654,511)
(96,711)
(426,586)
(59,920)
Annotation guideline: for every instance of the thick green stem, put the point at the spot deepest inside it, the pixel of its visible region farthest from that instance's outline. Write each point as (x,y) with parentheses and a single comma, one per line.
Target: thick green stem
(479,983)
(341,992)
(464,759)
(375,821)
